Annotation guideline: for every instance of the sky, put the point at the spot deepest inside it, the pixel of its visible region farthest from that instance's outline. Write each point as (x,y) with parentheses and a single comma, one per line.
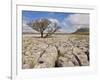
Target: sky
(69,22)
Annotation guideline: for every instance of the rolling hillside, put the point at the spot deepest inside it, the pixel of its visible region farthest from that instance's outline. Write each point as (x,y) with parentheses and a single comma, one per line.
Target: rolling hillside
(82,31)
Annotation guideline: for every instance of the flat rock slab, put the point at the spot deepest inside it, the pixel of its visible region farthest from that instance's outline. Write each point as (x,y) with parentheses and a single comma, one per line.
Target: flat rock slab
(57,51)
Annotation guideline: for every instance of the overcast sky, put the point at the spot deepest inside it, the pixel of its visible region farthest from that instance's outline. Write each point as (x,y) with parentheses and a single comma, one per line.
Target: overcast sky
(69,22)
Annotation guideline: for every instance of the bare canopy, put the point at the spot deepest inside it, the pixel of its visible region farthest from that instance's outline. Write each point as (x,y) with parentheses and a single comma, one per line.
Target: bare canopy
(41,25)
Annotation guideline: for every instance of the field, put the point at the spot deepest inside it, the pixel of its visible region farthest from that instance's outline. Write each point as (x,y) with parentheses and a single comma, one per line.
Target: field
(67,50)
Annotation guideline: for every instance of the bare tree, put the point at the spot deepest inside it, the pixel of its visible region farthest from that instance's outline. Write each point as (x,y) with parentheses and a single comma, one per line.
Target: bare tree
(41,25)
(52,29)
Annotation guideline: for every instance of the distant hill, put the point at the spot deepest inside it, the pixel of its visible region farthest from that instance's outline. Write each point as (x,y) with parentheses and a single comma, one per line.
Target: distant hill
(82,31)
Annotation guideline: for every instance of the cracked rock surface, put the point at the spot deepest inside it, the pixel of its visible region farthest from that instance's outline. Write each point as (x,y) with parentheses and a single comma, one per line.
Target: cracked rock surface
(56,51)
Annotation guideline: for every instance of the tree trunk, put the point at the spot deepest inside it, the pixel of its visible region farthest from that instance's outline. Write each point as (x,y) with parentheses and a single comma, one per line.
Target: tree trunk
(41,34)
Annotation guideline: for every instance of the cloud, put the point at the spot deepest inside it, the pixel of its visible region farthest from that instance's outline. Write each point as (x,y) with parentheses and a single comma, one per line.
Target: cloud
(75,21)
(78,20)
(54,21)
(26,28)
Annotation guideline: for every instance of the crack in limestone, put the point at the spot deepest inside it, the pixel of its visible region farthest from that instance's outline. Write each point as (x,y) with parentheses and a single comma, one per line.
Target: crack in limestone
(78,60)
(58,51)
(42,53)
(87,53)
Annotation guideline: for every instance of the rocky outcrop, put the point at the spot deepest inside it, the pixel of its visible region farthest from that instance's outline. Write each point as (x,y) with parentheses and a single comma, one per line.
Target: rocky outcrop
(66,51)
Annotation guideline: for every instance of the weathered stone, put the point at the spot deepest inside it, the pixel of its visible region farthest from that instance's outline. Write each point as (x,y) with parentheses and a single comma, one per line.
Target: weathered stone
(27,53)
(56,51)
(48,58)
(64,62)
(83,59)
(25,66)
